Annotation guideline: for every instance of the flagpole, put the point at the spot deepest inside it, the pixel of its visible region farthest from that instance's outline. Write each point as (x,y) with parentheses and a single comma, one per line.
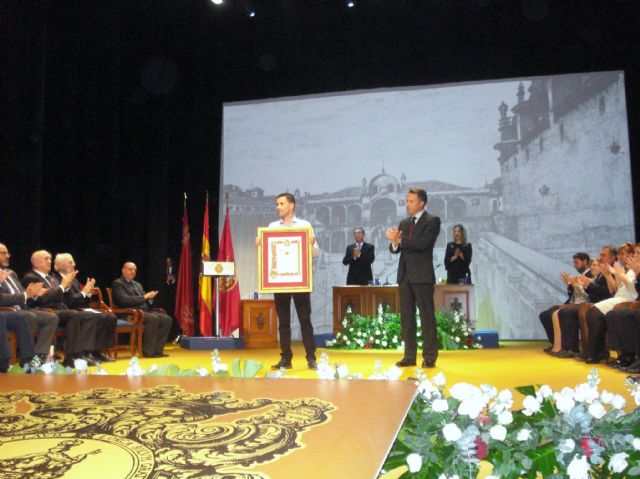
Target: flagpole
(216,329)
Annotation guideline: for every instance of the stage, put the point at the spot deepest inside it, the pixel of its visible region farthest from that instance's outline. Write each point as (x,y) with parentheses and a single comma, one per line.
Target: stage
(162,427)
(515,363)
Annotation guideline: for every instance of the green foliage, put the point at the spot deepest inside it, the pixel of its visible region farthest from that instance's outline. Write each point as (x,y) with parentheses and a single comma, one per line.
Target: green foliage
(384,331)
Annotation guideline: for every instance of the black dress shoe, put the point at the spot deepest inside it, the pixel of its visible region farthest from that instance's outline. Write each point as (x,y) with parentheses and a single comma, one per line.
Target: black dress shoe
(146,355)
(633,368)
(598,358)
(89,359)
(429,363)
(68,362)
(406,362)
(102,358)
(282,364)
(583,356)
(546,350)
(565,354)
(161,355)
(312,364)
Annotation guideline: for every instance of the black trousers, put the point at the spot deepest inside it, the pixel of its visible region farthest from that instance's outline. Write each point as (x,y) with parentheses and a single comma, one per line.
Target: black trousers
(597,331)
(79,330)
(569,327)
(302,302)
(615,326)
(45,325)
(18,323)
(420,295)
(105,331)
(547,322)
(627,330)
(156,331)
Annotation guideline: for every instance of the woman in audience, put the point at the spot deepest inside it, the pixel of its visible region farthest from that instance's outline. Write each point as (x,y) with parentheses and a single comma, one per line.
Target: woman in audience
(623,326)
(457,257)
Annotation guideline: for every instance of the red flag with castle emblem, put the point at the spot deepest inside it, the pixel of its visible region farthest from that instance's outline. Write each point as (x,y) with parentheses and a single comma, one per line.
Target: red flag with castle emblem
(184,289)
(229,290)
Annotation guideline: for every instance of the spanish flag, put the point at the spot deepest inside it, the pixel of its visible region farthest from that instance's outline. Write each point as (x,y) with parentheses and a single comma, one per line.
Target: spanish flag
(205,307)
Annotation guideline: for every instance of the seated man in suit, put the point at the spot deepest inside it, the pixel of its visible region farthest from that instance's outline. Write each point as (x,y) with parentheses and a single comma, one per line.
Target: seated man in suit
(13,294)
(568,316)
(78,297)
(359,257)
(128,293)
(581,264)
(80,326)
(18,322)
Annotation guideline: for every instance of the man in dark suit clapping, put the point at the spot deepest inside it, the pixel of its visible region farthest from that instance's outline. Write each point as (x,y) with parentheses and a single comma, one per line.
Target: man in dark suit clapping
(13,294)
(78,297)
(128,293)
(414,240)
(359,257)
(80,326)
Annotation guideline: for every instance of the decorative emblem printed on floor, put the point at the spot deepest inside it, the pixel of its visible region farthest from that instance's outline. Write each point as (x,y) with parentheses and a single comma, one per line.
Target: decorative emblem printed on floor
(159,432)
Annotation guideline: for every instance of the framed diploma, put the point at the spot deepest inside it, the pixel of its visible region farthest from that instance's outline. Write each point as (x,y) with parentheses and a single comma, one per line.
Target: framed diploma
(284,260)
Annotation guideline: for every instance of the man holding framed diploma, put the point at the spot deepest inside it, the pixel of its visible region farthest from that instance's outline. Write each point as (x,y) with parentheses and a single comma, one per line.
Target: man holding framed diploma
(285,250)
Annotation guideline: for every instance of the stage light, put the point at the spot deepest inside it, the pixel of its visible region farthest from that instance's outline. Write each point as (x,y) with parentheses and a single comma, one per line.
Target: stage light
(252,14)
(351,3)
(217,2)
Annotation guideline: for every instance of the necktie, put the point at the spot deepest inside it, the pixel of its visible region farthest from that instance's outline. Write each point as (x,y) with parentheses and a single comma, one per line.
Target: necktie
(412,225)
(12,287)
(50,281)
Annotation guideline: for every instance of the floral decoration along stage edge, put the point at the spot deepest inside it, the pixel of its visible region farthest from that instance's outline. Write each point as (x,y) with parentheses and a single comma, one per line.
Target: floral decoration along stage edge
(579,433)
(385,331)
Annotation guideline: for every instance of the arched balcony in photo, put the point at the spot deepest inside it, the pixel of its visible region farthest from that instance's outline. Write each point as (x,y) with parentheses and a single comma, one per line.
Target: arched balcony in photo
(384,212)
(456,209)
(437,207)
(354,215)
(338,215)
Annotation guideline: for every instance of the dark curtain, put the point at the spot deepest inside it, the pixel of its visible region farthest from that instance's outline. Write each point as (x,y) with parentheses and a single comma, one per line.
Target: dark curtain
(110,109)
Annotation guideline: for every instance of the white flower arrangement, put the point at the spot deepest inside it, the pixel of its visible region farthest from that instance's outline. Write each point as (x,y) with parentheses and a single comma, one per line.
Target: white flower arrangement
(575,432)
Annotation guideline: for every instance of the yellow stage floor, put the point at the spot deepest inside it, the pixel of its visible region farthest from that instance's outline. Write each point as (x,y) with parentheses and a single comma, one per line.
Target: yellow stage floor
(515,363)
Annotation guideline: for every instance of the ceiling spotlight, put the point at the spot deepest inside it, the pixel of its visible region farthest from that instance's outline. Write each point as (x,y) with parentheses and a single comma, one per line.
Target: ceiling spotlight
(252,14)
(217,2)
(351,3)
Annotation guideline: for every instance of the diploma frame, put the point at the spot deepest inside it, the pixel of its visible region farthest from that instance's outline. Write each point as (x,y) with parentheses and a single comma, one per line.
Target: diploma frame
(273,271)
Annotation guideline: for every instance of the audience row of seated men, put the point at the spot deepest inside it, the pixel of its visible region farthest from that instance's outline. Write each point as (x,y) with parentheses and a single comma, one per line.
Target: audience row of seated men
(42,301)
(605,291)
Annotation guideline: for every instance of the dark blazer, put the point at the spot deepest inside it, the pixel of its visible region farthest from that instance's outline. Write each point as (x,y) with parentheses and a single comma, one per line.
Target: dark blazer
(360,268)
(54,298)
(128,295)
(73,297)
(416,250)
(458,269)
(598,290)
(7,298)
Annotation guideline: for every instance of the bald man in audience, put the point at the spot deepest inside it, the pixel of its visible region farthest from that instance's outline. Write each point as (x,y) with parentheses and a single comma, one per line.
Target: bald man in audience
(80,326)
(128,293)
(13,294)
(78,297)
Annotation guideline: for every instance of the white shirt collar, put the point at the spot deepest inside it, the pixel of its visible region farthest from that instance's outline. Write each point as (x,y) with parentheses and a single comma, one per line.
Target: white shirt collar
(40,273)
(418,215)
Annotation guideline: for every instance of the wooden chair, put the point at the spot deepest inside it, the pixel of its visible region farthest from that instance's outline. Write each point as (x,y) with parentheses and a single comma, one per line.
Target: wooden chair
(131,324)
